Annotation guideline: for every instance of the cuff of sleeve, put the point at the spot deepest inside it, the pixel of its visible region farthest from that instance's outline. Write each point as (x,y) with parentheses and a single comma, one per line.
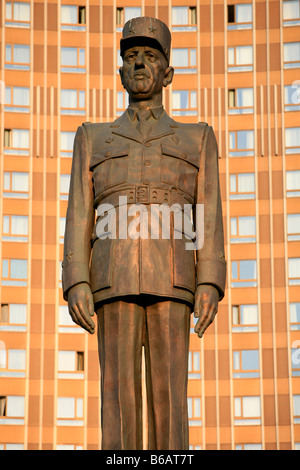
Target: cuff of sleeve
(214,273)
(72,274)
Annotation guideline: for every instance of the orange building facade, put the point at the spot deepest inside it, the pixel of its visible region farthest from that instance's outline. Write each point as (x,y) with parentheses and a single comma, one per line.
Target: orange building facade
(236,67)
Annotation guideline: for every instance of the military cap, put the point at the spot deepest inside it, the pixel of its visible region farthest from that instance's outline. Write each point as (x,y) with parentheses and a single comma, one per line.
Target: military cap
(146,27)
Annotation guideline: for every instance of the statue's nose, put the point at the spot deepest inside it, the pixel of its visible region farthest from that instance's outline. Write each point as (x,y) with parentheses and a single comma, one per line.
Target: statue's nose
(140,60)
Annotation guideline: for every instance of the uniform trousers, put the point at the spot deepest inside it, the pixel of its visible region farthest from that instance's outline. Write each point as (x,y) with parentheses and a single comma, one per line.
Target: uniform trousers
(162,326)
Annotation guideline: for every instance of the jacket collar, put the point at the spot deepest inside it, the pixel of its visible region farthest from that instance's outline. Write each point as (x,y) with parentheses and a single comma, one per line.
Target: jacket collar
(163,126)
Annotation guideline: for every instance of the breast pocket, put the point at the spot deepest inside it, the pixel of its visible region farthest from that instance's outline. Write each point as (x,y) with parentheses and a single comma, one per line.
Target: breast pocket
(110,167)
(178,169)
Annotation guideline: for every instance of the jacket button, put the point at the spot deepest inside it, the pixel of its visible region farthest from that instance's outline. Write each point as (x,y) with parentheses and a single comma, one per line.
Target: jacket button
(108,154)
(147,163)
(147,144)
(184,155)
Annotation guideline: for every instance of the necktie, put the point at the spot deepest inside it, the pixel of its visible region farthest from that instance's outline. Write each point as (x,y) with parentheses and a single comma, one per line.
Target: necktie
(143,126)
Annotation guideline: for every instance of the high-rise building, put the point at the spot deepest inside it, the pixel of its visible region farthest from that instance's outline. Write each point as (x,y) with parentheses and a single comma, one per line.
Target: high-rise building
(237,68)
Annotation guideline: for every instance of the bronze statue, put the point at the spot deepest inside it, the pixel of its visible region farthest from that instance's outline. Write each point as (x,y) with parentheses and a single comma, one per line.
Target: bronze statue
(142,285)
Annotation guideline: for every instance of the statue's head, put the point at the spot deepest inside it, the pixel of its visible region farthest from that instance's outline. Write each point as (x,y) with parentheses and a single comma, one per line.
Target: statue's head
(145,50)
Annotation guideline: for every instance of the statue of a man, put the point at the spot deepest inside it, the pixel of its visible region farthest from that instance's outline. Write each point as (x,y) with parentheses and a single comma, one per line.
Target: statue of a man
(142,284)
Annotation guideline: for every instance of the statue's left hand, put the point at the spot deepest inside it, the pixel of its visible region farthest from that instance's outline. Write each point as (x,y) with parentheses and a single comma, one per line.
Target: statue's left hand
(206,307)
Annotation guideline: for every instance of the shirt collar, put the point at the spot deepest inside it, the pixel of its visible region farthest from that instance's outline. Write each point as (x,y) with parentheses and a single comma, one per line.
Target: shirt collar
(156,112)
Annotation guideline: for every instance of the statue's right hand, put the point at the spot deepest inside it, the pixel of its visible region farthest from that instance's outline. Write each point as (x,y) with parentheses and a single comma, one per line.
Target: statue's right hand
(81,306)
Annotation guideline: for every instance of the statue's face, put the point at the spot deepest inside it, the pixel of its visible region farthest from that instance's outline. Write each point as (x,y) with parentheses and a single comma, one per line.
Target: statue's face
(145,71)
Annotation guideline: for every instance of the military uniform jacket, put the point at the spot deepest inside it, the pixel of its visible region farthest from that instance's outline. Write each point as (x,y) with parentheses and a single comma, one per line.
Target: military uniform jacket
(176,164)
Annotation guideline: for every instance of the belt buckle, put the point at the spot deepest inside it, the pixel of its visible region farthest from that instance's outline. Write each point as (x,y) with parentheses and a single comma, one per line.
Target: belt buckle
(142,194)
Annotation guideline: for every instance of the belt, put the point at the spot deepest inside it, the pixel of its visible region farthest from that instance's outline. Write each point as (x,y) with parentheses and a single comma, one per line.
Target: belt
(143,194)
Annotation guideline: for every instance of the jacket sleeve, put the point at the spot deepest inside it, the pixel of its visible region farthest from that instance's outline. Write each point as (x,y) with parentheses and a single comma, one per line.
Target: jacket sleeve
(211,264)
(80,217)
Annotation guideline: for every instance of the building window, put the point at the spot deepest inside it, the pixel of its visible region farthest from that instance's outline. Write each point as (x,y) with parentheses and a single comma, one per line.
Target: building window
(241,144)
(17,99)
(292,97)
(243,273)
(16,184)
(295,316)
(17,57)
(294,271)
(66,143)
(62,227)
(291,12)
(11,446)
(295,357)
(293,227)
(244,318)
(242,186)
(72,102)
(245,364)
(194,365)
(184,60)
(73,18)
(70,364)
(69,411)
(184,19)
(194,411)
(66,324)
(240,59)
(247,411)
(239,16)
(293,183)
(14,272)
(243,229)
(15,228)
(296,408)
(17,14)
(292,140)
(184,103)
(122,102)
(125,14)
(68,447)
(248,447)
(64,186)
(240,101)
(13,317)
(73,60)
(12,409)
(12,362)
(291,55)
(16,142)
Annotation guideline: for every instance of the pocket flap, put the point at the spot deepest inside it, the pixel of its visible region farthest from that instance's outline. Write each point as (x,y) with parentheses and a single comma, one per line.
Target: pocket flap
(107,153)
(176,153)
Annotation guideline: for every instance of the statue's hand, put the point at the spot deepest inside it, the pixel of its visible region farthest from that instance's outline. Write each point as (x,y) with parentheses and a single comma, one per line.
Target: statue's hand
(81,306)
(206,307)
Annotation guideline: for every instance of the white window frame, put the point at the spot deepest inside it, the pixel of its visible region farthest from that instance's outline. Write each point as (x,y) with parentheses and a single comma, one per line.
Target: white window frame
(239,281)
(237,65)
(240,317)
(236,181)
(73,26)
(191,103)
(11,13)
(237,231)
(291,18)
(78,66)
(236,24)
(11,231)
(239,359)
(242,415)
(235,149)
(191,59)
(190,13)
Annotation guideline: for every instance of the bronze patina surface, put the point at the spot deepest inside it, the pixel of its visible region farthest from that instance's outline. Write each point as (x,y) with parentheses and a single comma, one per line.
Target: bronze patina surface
(143,287)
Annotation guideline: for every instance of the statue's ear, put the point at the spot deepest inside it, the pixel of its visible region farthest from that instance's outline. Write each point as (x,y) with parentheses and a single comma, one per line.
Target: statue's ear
(169,73)
(121,75)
